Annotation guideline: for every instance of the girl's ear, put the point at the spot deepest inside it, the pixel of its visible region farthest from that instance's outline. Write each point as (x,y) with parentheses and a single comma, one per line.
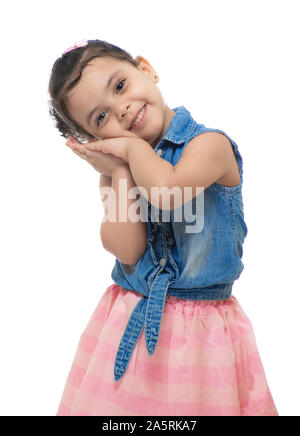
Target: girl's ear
(145,66)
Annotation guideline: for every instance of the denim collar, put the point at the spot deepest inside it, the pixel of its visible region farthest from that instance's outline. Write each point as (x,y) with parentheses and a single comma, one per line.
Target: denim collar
(179,127)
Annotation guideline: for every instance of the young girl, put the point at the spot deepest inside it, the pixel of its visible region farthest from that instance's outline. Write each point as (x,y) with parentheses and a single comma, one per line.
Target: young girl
(167,337)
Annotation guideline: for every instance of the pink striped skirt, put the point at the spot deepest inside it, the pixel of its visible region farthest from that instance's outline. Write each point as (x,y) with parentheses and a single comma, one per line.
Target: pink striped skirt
(206,363)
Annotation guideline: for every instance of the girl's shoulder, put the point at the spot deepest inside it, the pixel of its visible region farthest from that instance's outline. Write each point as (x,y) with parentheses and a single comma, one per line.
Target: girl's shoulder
(208,158)
(226,150)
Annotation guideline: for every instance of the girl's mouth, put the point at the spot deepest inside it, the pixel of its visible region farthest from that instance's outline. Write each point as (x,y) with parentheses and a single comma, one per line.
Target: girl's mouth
(141,118)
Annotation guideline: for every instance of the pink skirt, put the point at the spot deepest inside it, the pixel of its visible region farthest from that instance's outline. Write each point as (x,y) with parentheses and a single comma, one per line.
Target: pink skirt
(206,363)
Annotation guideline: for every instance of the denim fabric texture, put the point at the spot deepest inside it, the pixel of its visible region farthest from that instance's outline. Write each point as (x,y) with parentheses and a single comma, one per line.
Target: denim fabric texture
(197,262)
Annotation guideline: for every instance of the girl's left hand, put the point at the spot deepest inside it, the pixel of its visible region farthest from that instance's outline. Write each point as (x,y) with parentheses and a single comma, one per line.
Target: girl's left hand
(115,146)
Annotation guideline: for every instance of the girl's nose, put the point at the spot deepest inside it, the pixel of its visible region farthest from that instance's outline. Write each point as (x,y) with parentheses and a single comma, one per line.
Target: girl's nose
(123,111)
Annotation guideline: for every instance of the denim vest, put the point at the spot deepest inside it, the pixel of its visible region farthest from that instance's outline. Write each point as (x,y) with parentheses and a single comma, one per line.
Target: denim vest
(197,262)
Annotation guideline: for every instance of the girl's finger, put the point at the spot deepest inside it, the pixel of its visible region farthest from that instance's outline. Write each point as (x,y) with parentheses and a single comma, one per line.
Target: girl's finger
(94,147)
(82,150)
(71,141)
(79,148)
(80,154)
(74,143)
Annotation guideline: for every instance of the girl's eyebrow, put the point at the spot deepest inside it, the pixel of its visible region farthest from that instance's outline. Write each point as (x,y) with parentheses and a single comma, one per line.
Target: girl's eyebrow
(91,113)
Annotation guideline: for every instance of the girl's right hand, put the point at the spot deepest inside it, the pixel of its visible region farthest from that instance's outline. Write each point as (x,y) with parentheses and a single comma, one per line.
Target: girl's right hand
(102,162)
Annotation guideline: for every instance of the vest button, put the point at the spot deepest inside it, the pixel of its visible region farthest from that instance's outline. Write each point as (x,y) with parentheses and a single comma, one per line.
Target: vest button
(159,152)
(163,261)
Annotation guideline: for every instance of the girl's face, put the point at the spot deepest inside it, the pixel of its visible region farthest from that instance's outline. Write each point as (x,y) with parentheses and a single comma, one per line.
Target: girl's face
(109,95)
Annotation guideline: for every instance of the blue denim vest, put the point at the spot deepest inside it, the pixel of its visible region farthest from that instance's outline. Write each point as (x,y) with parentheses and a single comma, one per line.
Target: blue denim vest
(197,262)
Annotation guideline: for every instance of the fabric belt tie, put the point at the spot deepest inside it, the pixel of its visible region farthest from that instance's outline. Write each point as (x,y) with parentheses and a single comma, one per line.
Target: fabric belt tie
(147,312)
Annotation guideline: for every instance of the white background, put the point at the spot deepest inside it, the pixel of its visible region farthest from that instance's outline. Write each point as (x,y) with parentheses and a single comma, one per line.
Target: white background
(233,65)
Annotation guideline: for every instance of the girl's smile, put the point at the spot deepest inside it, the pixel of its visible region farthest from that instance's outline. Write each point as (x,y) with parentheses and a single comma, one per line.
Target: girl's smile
(139,119)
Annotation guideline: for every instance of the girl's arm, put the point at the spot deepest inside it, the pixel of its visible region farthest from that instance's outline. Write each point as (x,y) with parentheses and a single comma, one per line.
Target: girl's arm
(207,158)
(125,240)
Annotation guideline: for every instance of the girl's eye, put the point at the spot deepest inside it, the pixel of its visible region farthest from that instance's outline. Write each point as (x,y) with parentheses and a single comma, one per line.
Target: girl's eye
(99,119)
(122,81)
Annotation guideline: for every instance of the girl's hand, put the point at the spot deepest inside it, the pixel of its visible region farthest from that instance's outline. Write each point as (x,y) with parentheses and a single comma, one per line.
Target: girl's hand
(102,162)
(116,146)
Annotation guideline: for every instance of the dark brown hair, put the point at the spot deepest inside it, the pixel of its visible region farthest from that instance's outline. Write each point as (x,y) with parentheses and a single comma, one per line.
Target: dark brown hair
(66,72)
